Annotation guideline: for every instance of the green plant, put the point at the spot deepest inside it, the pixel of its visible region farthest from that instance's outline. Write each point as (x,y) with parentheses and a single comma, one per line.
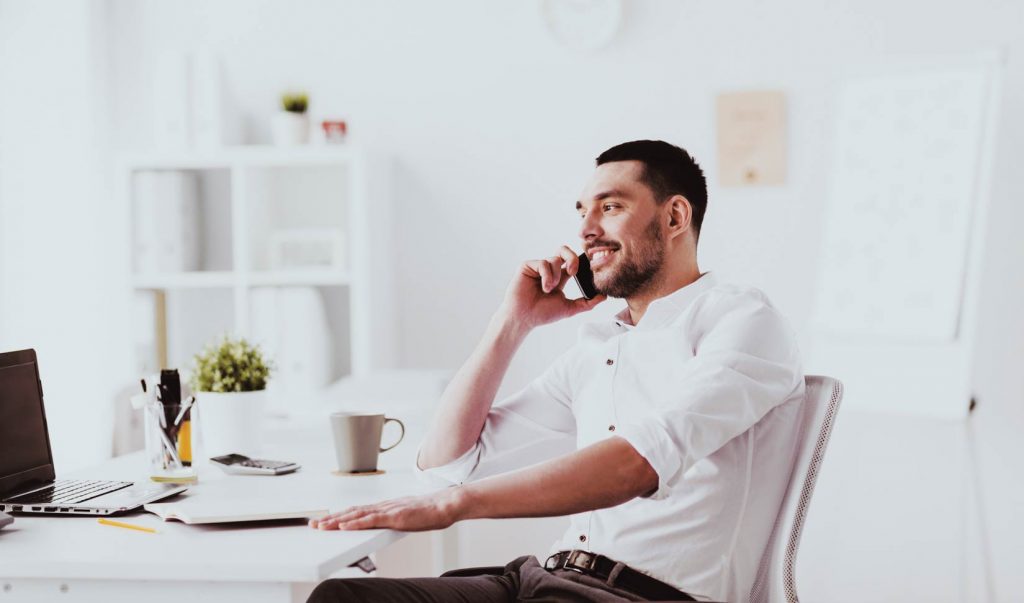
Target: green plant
(295,102)
(230,365)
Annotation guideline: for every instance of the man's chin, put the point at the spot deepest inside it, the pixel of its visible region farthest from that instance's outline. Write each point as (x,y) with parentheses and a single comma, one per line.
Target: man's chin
(606,286)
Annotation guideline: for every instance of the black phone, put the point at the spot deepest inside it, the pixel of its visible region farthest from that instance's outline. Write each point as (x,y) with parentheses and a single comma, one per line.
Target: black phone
(585,277)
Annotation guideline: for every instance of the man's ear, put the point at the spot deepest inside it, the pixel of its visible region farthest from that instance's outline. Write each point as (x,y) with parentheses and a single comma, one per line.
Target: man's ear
(679,214)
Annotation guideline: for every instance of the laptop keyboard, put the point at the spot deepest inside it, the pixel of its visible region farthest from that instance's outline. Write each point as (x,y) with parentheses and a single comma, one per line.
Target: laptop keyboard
(69,491)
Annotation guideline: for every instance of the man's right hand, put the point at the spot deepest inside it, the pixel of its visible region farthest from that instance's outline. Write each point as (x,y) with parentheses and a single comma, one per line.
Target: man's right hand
(535,297)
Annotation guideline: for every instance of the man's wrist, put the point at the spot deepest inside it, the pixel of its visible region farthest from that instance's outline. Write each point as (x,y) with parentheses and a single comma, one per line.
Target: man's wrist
(505,323)
(456,504)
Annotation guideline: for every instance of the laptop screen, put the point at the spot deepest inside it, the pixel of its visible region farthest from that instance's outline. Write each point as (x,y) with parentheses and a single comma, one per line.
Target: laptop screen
(24,443)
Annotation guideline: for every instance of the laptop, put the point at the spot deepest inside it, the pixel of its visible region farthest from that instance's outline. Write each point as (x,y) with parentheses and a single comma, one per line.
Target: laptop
(27,476)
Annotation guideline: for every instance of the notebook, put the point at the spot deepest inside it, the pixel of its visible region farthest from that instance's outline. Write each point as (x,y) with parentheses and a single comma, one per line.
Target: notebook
(199,511)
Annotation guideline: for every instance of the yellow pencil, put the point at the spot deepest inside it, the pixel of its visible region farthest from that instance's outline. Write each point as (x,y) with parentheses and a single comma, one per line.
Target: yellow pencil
(121,524)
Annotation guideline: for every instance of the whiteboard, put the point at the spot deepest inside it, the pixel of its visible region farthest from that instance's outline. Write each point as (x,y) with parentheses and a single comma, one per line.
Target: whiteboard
(894,317)
(899,208)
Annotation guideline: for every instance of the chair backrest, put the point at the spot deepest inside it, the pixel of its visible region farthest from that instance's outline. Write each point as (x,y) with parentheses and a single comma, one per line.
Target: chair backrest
(776,580)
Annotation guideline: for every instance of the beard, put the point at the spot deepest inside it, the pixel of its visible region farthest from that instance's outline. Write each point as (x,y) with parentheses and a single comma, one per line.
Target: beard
(637,270)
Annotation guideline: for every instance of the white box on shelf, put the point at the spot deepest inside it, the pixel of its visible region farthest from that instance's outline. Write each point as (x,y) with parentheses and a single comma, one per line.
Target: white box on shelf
(307,248)
(290,324)
(215,120)
(172,100)
(166,206)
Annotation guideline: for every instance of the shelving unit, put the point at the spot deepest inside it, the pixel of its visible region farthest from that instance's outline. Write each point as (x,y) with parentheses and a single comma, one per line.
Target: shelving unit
(252,203)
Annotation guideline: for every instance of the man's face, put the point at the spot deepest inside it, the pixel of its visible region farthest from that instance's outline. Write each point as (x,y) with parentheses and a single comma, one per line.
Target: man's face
(622,229)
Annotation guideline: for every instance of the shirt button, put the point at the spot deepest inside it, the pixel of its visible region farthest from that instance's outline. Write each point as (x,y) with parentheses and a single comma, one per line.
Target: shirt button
(583,537)
(609,362)
(611,428)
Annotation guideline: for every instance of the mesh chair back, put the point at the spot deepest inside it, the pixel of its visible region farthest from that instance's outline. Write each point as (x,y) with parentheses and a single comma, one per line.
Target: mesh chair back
(776,580)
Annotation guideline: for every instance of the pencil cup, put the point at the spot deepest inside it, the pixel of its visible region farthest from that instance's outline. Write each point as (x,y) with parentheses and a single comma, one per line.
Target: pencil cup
(168,432)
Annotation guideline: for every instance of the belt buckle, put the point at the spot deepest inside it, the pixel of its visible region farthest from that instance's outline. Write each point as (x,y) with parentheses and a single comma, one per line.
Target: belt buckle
(580,561)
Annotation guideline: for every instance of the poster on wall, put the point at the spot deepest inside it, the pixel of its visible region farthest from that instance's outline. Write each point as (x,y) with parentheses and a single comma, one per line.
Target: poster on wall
(751,138)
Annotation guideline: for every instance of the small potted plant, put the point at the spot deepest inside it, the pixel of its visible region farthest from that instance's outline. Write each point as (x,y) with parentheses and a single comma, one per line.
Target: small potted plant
(229,379)
(290,125)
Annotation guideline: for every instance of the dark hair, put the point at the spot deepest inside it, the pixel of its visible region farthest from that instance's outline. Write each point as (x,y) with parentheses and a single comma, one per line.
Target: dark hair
(668,170)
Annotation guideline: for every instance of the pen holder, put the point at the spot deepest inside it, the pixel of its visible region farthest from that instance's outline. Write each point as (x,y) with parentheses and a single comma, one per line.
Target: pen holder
(169,442)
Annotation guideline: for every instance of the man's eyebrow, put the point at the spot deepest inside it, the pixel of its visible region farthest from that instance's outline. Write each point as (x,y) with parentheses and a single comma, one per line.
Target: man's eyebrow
(608,193)
(602,196)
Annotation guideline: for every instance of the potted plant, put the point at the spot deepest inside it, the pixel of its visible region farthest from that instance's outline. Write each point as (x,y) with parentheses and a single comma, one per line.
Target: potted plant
(229,379)
(290,125)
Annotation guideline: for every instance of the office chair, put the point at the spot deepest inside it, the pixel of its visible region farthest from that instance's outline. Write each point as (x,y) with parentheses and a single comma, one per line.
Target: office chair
(776,575)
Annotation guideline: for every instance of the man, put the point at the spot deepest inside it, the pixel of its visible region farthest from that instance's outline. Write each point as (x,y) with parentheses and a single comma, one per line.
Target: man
(677,418)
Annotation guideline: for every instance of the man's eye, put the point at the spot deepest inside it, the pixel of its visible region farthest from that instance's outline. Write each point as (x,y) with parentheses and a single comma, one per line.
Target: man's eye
(610,206)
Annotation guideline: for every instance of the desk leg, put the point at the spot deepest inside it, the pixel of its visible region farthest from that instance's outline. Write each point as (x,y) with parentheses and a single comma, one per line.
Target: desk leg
(30,590)
(445,549)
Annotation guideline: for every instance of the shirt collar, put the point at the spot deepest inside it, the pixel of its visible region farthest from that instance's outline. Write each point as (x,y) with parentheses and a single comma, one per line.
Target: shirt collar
(666,308)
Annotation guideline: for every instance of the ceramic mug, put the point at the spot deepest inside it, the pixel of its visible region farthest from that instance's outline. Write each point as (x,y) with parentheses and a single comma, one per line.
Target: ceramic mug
(357,440)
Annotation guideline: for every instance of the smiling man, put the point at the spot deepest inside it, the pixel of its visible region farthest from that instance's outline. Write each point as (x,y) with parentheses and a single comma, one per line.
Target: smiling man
(667,433)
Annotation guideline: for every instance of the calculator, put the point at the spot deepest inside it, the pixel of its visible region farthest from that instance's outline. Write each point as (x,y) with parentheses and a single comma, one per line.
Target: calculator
(240,464)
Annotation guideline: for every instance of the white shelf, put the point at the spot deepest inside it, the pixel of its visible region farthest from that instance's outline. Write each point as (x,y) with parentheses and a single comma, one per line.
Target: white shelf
(240,157)
(299,277)
(213,279)
(245,195)
(185,280)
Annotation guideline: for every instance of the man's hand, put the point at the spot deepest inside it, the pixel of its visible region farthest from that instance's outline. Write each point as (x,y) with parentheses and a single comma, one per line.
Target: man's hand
(411,514)
(534,297)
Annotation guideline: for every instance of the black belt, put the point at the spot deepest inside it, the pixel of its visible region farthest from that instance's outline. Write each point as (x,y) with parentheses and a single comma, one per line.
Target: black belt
(627,578)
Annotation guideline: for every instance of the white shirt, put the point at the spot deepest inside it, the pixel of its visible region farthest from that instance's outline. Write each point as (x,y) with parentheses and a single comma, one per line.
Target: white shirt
(707,389)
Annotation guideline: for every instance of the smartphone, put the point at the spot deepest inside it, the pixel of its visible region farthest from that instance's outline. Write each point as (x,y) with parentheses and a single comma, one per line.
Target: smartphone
(585,278)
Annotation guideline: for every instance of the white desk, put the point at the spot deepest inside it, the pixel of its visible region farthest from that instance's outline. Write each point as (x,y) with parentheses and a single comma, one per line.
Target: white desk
(68,558)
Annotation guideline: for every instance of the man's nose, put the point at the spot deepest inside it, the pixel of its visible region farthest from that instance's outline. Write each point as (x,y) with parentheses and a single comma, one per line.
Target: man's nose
(590,227)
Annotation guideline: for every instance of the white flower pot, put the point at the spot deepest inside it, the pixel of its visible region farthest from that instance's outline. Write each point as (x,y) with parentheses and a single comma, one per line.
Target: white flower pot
(289,129)
(231,422)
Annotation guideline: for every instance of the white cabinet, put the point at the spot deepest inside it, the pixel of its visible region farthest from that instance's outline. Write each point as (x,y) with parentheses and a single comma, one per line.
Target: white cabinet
(288,246)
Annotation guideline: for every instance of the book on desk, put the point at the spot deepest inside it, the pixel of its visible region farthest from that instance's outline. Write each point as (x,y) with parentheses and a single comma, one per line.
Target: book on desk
(205,512)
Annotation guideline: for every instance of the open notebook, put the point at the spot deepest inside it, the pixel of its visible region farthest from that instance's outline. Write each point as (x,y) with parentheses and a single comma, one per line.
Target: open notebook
(194,511)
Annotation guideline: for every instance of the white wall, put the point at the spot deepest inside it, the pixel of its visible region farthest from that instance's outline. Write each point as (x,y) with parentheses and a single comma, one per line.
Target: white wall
(62,263)
(493,128)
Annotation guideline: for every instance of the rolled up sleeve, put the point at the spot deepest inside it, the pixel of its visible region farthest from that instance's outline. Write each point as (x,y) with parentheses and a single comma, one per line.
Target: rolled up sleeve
(745,363)
(531,426)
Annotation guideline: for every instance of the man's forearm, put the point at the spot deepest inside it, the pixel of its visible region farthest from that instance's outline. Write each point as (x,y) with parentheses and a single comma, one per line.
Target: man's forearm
(468,398)
(602,475)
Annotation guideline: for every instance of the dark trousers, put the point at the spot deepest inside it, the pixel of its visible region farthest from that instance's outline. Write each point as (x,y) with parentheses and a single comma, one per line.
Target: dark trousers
(522,580)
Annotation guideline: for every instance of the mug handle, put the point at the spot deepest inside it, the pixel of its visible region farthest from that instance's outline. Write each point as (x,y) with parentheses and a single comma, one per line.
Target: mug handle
(400,424)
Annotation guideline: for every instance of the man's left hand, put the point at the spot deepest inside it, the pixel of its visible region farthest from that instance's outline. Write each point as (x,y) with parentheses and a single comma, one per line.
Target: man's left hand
(410,514)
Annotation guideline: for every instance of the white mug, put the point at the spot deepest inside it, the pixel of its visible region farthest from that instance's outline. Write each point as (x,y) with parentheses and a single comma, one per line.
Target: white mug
(357,438)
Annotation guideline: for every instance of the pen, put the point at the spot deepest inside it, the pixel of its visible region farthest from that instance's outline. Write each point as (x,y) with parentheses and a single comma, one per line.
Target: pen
(169,446)
(121,524)
(187,404)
